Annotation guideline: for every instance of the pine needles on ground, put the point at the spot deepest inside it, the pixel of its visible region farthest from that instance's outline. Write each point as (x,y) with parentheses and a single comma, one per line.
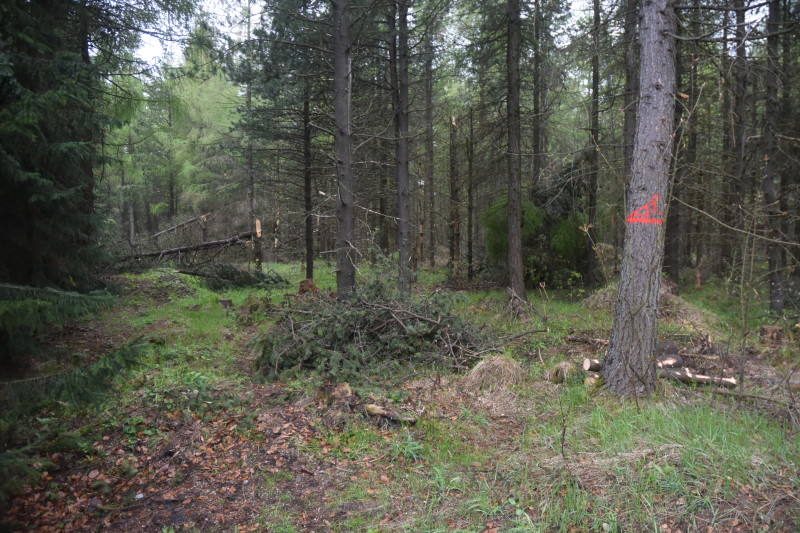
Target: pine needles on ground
(365,335)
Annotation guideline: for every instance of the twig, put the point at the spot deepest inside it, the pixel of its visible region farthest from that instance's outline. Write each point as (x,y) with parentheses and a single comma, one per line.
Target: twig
(531,332)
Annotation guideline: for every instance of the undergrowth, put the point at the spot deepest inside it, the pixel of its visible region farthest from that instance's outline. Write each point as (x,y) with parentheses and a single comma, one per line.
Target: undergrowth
(366,334)
(543,457)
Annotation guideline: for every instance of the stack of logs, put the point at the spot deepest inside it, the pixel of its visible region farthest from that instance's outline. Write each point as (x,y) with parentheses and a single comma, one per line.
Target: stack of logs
(668,362)
(668,366)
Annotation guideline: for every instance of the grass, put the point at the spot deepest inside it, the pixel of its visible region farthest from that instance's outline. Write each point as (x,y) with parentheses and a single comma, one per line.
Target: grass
(564,458)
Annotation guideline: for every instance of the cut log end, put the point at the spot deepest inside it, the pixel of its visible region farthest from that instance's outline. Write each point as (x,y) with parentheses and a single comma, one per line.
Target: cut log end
(592,365)
(593,379)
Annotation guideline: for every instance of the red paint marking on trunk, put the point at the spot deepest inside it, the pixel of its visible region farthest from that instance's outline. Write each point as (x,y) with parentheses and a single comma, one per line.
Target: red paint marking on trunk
(649,213)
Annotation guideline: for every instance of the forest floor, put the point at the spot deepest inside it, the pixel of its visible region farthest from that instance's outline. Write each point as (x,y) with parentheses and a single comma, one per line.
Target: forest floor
(194,439)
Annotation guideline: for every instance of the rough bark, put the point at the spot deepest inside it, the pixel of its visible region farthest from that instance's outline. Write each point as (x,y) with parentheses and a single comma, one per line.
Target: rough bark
(516,279)
(345,233)
(629,367)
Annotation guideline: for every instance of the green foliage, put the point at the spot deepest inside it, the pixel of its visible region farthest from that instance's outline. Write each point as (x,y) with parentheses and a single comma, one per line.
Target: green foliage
(569,241)
(554,250)
(495,220)
(79,386)
(365,335)
(27,313)
(220,277)
(24,440)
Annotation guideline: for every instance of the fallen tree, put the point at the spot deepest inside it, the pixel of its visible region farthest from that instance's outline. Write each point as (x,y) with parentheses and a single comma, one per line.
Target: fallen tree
(239,238)
(202,218)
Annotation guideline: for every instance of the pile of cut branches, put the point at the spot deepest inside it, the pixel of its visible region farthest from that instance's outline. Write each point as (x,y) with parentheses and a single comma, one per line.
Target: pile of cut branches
(221,276)
(366,335)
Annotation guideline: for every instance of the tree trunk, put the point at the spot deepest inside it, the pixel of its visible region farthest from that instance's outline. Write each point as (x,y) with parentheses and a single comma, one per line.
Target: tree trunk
(674,232)
(739,139)
(429,154)
(403,200)
(249,161)
(345,233)
(595,112)
(629,367)
(455,203)
(516,279)
(538,90)
(631,83)
(307,183)
(768,183)
(470,199)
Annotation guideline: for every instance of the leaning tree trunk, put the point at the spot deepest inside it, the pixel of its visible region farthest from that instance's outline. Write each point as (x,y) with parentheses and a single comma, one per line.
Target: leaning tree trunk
(345,234)
(630,366)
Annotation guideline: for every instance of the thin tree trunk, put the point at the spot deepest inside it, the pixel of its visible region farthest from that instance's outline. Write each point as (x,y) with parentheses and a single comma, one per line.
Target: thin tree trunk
(538,89)
(342,76)
(470,199)
(249,161)
(595,112)
(739,121)
(429,154)
(674,231)
(629,367)
(403,199)
(516,279)
(631,83)
(307,183)
(455,203)
(768,183)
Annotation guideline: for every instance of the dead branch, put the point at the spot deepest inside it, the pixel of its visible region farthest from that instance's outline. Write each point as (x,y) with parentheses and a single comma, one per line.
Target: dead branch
(239,238)
(531,332)
(586,340)
(201,218)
